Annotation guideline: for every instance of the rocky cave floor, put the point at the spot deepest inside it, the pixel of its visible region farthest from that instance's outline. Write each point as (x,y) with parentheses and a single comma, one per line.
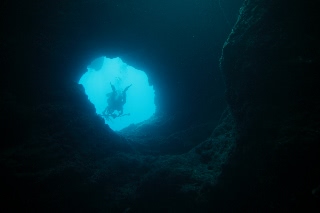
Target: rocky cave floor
(64,158)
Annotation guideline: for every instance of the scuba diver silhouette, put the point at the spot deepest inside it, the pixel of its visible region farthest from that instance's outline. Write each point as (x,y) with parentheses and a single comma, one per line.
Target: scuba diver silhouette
(116,100)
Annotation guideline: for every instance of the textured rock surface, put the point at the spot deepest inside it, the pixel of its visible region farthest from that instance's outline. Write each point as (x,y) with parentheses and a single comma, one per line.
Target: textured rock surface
(261,154)
(271,67)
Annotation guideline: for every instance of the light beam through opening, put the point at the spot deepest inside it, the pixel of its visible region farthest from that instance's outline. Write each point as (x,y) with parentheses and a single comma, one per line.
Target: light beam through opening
(107,84)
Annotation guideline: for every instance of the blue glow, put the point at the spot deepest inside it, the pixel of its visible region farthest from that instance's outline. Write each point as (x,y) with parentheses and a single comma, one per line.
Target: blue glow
(97,81)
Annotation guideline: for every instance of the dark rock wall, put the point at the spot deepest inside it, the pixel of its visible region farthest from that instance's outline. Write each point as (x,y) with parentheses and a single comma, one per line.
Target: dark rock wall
(270,64)
(270,61)
(58,156)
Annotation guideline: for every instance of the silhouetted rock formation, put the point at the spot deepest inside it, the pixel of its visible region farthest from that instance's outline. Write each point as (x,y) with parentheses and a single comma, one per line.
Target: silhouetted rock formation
(254,148)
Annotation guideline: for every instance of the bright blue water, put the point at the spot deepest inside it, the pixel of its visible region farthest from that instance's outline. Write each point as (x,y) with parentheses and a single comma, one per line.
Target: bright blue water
(139,104)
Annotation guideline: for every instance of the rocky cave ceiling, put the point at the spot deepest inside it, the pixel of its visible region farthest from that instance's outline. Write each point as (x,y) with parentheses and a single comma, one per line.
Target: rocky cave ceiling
(177,44)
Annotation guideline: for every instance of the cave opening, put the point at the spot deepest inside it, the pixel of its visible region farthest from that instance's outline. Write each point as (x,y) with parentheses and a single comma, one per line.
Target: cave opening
(120,93)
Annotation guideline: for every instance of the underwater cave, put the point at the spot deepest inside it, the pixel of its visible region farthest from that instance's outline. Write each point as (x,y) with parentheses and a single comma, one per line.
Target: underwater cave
(160,106)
